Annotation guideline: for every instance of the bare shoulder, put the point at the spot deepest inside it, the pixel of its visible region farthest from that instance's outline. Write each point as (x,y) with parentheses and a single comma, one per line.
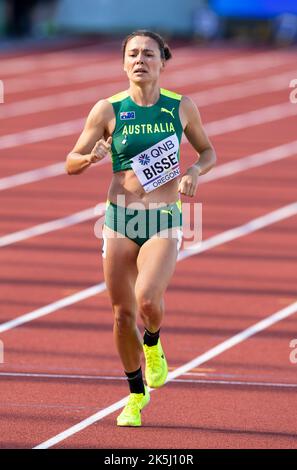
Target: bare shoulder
(99,123)
(188,111)
(189,106)
(102,111)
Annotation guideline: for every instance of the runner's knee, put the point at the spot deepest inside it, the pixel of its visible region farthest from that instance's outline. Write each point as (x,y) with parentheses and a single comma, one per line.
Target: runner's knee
(149,306)
(124,318)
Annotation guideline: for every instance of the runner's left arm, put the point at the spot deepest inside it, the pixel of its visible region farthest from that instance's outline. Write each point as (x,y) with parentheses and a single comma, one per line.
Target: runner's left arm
(197,137)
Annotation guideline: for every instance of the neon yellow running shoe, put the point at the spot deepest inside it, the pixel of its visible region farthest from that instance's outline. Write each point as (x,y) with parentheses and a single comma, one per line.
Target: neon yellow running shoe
(131,414)
(156,369)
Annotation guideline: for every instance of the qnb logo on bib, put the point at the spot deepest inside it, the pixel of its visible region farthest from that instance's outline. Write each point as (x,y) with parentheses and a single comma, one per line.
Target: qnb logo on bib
(158,164)
(144,159)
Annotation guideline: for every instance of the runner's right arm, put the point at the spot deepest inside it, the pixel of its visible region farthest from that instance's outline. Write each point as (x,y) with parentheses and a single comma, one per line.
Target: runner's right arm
(91,146)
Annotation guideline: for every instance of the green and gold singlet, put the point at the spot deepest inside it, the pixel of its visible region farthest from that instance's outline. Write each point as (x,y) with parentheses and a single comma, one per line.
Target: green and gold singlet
(147,138)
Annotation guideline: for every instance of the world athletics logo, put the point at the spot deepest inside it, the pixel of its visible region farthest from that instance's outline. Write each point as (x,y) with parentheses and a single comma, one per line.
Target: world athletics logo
(144,159)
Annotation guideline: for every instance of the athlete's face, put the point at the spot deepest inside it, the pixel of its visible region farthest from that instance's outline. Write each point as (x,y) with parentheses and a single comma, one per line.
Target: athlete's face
(143,61)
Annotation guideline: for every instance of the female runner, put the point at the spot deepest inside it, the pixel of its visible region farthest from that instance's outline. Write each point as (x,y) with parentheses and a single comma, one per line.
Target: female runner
(141,128)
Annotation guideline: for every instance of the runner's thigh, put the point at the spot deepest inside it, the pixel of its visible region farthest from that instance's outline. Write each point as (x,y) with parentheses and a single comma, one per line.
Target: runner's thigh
(120,268)
(156,263)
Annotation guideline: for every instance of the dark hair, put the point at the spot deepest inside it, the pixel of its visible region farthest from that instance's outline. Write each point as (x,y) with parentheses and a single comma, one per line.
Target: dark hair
(164,48)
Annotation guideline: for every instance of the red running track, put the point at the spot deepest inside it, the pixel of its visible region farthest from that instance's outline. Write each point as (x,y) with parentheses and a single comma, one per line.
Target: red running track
(63,367)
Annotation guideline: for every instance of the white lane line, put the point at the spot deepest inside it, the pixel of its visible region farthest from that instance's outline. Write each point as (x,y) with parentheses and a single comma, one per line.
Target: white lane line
(232,68)
(76,57)
(69,55)
(59,168)
(53,307)
(231,124)
(252,226)
(227,169)
(221,126)
(41,134)
(213,352)
(217,240)
(203,98)
(251,118)
(221,171)
(62,58)
(61,376)
(237,383)
(235,340)
(242,90)
(121,378)
(251,161)
(26,177)
(32,176)
(57,101)
(53,225)
(97,72)
(176,78)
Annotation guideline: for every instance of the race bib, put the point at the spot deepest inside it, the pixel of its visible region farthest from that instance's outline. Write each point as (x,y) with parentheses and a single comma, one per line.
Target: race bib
(158,164)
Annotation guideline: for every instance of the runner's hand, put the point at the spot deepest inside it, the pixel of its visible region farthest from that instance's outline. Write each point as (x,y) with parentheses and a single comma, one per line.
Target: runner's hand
(189,182)
(101,150)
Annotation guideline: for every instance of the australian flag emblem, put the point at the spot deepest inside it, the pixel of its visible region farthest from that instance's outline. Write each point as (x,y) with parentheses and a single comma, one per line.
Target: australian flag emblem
(127,115)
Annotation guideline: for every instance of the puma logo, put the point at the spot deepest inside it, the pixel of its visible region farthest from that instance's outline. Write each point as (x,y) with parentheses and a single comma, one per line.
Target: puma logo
(165,211)
(164,110)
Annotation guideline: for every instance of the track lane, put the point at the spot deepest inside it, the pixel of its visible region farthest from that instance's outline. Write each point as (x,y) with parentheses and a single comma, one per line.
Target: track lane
(79,245)
(266,433)
(58,348)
